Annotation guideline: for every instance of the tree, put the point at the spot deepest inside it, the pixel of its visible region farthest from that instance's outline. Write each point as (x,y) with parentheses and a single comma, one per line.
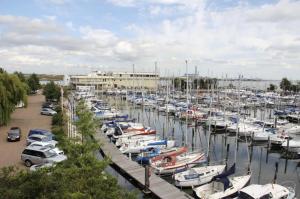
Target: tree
(285,84)
(33,82)
(12,92)
(272,87)
(52,91)
(20,75)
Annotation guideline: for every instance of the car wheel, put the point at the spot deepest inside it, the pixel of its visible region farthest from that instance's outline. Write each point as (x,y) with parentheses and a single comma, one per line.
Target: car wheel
(28,163)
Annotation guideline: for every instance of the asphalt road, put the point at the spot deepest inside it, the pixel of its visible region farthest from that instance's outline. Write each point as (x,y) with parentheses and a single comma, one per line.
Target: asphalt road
(25,118)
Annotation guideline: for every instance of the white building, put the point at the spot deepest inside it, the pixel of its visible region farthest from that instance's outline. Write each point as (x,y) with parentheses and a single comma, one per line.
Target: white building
(118,80)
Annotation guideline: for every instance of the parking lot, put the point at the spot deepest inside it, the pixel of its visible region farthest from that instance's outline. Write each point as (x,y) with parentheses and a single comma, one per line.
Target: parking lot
(25,118)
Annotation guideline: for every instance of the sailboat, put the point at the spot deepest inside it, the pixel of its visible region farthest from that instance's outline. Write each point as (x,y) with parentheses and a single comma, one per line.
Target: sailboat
(197,175)
(222,186)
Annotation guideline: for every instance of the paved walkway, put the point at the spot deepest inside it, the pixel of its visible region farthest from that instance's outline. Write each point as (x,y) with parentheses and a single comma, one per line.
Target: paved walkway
(25,118)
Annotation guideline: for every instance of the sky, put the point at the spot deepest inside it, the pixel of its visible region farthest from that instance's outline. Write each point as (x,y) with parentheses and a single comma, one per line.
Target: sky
(222,38)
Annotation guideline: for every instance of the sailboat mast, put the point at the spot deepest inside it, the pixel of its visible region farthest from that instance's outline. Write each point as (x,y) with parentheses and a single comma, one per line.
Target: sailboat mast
(187,102)
(238,120)
(156,82)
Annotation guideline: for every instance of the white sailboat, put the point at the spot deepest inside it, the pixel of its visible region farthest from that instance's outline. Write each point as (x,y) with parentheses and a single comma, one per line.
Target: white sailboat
(197,175)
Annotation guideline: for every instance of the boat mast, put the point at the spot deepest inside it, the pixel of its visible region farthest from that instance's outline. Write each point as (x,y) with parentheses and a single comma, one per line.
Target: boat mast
(156,82)
(238,120)
(187,102)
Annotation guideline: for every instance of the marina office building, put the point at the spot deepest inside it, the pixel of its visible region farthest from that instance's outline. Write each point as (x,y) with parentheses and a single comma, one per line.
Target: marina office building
(117,80)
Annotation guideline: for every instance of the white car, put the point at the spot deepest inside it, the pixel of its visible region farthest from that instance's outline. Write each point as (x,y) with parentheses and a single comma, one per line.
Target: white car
(40,138)
(46,144)
(48,111)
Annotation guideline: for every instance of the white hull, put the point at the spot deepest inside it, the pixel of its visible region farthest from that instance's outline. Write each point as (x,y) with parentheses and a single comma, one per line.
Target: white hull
(204,175)
(215,190)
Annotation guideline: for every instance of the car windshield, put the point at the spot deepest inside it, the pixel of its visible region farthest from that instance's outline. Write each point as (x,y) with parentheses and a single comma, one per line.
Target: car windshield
(13,132)
(46,139)
(50,153)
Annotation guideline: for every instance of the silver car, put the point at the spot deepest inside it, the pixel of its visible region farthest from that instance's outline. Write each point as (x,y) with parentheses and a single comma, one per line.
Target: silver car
(40,155)
(40,138)
(46,144)
(48,111)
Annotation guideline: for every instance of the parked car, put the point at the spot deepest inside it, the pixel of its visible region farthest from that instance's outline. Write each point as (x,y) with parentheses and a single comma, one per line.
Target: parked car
(40,155)
(48,111)
(48,105)
(41,132)
(40,138)
(14,134)
(46,144)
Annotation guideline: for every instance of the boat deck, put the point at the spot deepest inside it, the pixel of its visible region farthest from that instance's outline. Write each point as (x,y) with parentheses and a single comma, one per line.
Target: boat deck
(158,186)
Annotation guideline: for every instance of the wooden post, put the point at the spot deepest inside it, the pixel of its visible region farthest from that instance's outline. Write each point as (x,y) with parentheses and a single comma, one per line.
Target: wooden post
(193,134)
(287,155)
(227,153)
(276,171)
(147,180)
(226,135)
(163,130)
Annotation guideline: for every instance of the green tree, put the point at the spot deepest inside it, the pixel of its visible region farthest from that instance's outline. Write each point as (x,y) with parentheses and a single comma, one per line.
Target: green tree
(285,84)
(272,87)
(52,91)
(33,82)
(12,92)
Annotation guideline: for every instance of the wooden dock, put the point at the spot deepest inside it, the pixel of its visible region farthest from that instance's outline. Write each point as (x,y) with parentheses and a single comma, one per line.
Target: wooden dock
(159,187)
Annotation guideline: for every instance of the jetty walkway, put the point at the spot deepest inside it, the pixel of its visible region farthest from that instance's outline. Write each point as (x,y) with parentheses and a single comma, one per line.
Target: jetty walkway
(159,187)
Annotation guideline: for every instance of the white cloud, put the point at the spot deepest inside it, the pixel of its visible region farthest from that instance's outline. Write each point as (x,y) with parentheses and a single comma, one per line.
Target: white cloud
(252,40)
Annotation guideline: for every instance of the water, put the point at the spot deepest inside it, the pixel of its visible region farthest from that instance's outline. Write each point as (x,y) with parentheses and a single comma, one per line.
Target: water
(262,164)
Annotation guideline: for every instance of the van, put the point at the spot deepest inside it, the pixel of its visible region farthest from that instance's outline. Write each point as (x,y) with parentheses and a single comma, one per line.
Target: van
(40,155)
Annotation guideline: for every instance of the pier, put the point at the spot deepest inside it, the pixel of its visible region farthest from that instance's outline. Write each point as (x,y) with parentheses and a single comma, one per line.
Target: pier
(159,187)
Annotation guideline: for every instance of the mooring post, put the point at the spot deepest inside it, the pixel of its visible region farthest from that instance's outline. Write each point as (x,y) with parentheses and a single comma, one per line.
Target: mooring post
(163,130)
(147,180)
(227,153)
(193,134)
(226,135)
(287,155)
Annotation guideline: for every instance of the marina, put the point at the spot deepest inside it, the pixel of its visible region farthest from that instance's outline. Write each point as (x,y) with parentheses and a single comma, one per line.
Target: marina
(254,154)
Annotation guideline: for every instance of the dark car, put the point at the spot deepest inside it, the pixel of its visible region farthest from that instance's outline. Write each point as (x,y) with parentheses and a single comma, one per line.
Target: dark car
(14,134)
(48,105)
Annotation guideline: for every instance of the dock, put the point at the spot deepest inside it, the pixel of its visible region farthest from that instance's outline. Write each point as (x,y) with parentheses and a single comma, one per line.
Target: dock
(159,187)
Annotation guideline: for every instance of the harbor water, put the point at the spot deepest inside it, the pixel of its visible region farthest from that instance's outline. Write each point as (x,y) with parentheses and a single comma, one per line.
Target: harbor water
(262,159)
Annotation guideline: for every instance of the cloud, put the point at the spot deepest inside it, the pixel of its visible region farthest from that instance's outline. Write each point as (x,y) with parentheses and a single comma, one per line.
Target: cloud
(248,39)
(284,10)
(58,2)
(28,25)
